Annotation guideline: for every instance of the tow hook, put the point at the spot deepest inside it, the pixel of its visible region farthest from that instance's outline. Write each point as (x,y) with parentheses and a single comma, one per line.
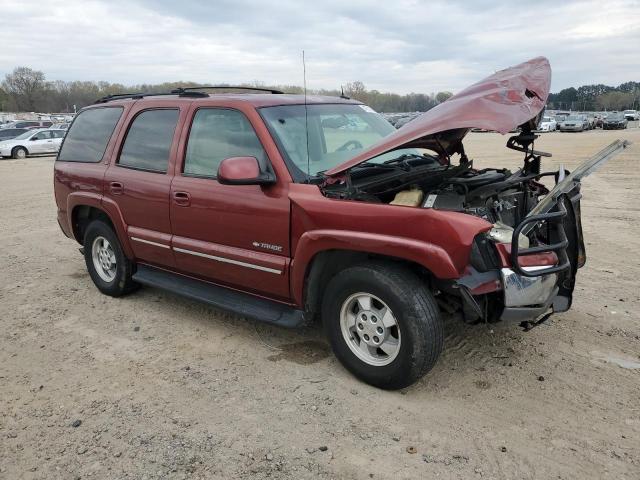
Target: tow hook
(528,325)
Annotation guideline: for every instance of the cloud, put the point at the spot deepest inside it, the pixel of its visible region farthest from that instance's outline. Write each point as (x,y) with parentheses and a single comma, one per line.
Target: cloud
(399,46)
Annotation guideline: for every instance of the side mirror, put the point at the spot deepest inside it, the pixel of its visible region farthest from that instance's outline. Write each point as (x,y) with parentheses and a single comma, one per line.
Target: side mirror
(32,139)
(243,171)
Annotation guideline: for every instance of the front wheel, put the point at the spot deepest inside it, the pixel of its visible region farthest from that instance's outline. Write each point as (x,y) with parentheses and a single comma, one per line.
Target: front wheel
(383,324)
(107,264)
(19,153)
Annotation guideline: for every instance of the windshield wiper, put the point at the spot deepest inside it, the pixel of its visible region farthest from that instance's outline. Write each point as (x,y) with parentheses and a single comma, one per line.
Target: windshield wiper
(384,166)
(404,157)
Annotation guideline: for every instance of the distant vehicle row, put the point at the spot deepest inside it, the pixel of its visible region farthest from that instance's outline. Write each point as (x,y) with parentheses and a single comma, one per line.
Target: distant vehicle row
(32,142)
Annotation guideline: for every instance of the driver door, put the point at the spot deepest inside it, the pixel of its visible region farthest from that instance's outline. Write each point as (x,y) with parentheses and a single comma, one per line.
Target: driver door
(41,142)
(235,235)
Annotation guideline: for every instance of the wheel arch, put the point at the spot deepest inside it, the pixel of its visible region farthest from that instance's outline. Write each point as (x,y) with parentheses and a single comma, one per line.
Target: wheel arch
(327,263)
(83,211)
(19,146)
(320,254)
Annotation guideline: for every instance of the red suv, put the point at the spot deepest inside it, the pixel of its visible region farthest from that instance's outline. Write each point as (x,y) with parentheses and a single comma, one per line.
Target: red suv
(289,209)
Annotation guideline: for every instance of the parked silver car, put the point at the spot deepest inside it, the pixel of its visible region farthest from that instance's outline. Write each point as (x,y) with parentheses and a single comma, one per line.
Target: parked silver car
(574,123)
(32,142)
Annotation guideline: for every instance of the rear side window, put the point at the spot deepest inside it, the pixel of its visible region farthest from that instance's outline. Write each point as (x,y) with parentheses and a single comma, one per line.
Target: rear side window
(217,134)
(87,138)
(149,139)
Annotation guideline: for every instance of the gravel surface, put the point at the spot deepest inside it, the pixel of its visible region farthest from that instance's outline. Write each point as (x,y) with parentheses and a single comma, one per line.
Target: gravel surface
(156,386)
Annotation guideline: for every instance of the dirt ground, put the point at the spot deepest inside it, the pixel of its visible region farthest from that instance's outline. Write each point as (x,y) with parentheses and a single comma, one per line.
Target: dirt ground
(156,386)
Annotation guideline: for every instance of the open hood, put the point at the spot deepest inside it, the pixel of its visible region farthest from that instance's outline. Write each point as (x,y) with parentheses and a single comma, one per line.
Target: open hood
(501,102)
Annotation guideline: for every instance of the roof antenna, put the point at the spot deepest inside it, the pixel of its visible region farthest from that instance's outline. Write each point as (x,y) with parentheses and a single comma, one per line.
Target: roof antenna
(306,116)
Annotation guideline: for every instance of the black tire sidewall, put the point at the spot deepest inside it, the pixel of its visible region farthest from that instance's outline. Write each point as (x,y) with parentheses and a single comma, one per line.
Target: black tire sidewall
(121,283)
(409,365)
(14,152)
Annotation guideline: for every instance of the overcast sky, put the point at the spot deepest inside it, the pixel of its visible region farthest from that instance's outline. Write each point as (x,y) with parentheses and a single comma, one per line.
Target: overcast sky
(393,45)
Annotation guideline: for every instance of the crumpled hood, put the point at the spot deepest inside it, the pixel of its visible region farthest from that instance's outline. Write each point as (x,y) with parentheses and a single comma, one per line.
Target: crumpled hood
(501,102)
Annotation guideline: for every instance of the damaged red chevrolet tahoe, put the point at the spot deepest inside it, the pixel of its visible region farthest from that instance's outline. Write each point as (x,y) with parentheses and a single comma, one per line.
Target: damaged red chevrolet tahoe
(290,209)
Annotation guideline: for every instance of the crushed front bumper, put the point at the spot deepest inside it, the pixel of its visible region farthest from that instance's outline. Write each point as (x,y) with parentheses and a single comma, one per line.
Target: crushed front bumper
(530,291)
(526,298)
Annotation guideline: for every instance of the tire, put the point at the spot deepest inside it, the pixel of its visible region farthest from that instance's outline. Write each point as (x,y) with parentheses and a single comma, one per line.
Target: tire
(19,153)
(418,332)
(102,248)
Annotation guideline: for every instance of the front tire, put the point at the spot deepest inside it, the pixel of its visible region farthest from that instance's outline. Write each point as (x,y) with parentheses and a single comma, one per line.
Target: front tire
(19,153)
(107,264)
(383,324)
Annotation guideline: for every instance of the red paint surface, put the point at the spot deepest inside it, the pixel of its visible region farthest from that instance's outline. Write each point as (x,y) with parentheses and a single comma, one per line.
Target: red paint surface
(280,226)
(238,168)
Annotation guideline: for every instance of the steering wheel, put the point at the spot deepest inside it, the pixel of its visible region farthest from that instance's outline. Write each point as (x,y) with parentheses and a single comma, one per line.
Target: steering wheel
(355,143)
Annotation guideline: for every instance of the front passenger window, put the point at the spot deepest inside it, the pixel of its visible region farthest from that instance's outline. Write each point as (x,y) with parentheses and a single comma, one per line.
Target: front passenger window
(42,136)
(216,134)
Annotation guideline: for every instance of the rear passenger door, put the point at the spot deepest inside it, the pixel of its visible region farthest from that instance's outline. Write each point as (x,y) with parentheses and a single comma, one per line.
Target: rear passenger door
(138,180)
(57,136)
(236,235)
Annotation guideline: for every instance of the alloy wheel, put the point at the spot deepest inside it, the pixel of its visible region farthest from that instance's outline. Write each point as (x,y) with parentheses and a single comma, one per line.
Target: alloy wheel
(104,259)
(370,329)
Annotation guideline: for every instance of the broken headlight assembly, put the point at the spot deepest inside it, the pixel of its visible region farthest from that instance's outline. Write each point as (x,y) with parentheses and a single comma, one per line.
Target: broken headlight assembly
(502,233)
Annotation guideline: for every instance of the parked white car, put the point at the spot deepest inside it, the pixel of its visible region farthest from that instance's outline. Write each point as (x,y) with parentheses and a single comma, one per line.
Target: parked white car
(33,142)
(548,124)
(631,115)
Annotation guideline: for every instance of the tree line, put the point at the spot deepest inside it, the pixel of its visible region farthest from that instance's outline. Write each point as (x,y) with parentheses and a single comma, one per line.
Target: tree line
(28,90)
(597,97)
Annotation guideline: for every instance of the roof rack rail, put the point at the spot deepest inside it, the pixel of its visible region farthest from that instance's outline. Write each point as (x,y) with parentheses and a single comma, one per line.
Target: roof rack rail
(182,90)
(137,96)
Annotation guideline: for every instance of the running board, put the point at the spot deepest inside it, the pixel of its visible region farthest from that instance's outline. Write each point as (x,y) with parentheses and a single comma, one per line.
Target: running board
(223,298)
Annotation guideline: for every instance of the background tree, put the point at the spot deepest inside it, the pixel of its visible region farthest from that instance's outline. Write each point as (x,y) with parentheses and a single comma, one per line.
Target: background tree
(443,96)
(25,87)
(355,90)
(4,100)
(27,90)
(614,100)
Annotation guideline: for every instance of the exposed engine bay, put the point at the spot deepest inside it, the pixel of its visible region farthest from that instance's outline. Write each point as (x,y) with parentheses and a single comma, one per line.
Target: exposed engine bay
(431,181)
(536,242)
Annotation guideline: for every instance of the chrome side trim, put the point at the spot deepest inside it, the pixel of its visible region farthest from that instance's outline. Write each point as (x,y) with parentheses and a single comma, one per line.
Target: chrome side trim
(228,260)
(149,242)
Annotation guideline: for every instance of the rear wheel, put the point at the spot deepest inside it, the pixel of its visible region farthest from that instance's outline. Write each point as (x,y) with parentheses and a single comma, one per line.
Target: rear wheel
(19,153)
(383,324)
(108,267)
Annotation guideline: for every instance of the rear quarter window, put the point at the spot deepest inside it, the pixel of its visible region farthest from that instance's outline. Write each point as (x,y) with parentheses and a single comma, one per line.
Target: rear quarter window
(89,135)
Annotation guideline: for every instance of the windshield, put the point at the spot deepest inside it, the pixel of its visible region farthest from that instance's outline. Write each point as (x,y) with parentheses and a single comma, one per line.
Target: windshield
(615,116)
(546,119)
(24,136)
(337,132)
(574,118)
